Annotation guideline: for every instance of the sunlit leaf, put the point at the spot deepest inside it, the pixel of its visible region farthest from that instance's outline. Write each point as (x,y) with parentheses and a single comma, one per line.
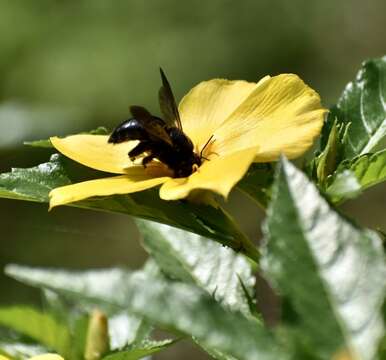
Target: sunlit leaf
(34,184)
(140,350)
(192,258)
(124,327)
(214,353)
(331,273)
(354,176)
(17,350)
(191,311)
(345,185)
(176,306)
(362,104)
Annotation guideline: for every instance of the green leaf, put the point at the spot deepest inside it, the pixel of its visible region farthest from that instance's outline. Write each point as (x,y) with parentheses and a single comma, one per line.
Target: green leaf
(257,183)
(215,354)
(362,104)
(124,328)
(354,176)
(344,186)
(194,259)
(176,306)
(34,184)
(41,327)
(330,272)
(138,351)
(191,311)
(76,320)
(16,350)
(46,143)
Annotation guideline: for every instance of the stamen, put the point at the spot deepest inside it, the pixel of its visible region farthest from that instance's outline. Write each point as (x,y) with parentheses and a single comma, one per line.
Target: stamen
(209,142)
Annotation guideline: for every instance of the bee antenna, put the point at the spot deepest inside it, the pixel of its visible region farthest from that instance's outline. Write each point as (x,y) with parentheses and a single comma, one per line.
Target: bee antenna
(206,144)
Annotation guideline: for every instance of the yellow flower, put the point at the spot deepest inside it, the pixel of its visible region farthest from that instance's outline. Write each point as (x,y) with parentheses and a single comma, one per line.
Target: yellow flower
(250,122)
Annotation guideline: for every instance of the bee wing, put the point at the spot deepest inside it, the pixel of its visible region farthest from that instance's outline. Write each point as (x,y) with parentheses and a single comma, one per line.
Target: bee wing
(154,126)
(140,113)
(168,104)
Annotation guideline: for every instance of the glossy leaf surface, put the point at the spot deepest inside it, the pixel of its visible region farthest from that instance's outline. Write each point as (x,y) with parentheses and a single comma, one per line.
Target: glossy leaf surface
(352,177)
(34,184)
(331,273)
(176,306)
(194,259)
(363,104)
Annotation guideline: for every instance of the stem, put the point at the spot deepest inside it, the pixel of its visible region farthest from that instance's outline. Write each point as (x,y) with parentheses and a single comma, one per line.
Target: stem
(245,244)
(249,248)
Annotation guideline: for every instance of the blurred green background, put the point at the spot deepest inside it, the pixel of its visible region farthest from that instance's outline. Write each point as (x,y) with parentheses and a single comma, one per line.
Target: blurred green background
(70,66)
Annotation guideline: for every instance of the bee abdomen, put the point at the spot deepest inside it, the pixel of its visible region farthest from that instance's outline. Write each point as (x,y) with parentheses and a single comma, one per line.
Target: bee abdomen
(130,129)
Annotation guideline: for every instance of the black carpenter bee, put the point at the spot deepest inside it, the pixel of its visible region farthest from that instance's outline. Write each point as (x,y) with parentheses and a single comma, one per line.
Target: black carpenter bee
(160,139)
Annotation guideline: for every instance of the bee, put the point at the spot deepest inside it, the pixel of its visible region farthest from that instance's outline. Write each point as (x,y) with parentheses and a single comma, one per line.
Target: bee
(161,139)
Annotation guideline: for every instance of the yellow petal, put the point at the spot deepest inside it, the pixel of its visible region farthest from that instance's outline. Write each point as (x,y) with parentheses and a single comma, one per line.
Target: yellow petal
(283,115)
(95,152)
(47,357)
(219,175)
(136,180)
(3,358)
(209,104)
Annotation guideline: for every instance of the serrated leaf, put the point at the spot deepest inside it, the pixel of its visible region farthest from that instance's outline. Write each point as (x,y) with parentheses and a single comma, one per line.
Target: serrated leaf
(124,328)
(34,184)
(192,311)
(214,353)
(363,105)
(332,273)
(354,176)
(194,259)
(185,308)
(41,327)
(257,183)
(139,351)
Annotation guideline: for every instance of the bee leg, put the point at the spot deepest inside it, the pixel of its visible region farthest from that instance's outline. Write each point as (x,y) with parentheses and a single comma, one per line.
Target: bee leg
(147,159)
(138,150)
